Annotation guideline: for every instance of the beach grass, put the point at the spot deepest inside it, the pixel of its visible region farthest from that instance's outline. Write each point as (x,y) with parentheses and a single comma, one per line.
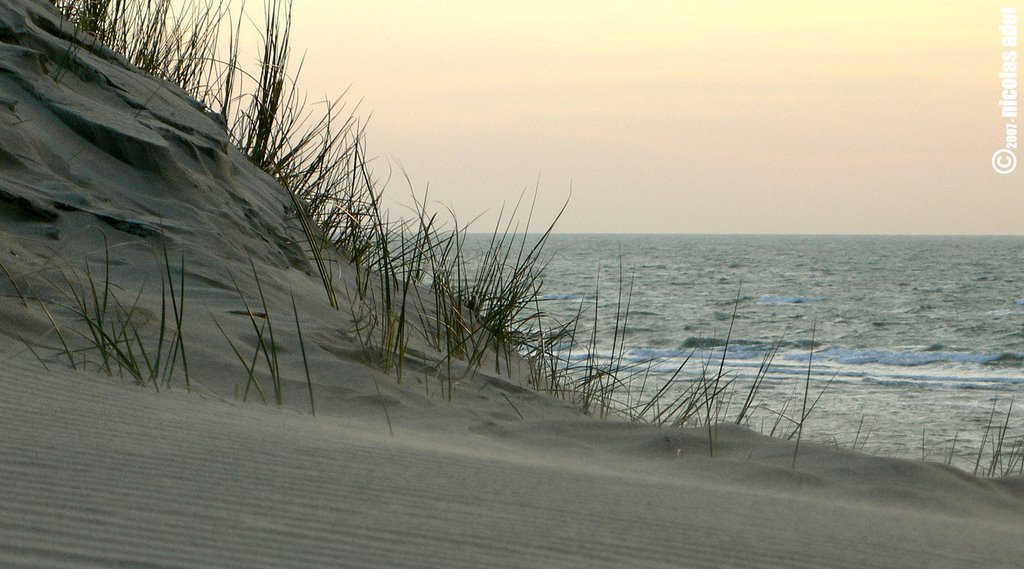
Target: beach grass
(480,306)
(119,337)
(484,306)
(415,276)
(305,358)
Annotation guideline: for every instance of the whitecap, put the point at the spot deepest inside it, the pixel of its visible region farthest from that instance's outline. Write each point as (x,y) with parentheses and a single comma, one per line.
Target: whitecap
(860,357)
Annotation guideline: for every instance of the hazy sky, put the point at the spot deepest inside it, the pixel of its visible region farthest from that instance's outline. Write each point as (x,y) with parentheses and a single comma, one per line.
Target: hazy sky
(683,117)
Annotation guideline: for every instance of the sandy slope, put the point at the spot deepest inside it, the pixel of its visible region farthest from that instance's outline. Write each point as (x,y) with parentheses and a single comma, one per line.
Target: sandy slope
(98,162)
(100,474)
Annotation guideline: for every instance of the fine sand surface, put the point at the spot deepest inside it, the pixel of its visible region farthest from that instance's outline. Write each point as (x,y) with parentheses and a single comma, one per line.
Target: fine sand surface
(103,475)
(102,167)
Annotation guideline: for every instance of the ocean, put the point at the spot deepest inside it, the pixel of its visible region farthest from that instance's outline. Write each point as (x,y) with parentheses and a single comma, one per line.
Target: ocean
(918,342)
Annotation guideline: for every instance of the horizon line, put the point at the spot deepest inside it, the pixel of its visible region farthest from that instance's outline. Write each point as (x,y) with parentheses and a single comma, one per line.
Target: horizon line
(737,234)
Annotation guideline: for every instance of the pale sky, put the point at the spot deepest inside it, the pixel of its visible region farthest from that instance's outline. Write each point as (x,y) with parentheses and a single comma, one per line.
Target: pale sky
(682,117)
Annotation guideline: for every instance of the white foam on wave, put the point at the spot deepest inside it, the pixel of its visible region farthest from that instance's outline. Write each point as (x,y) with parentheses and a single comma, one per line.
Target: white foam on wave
(992,383)
(837,366)
(654,353)
(735,352)
(861,357)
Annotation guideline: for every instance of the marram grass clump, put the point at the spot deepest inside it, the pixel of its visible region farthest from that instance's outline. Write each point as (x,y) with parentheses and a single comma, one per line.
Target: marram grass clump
(414,275)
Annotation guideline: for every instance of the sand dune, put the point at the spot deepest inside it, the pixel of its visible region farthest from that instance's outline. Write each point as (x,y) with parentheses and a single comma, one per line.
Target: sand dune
(100,474)
(102,165)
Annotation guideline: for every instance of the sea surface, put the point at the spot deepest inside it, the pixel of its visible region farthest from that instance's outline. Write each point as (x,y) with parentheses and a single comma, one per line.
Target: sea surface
(918,342)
